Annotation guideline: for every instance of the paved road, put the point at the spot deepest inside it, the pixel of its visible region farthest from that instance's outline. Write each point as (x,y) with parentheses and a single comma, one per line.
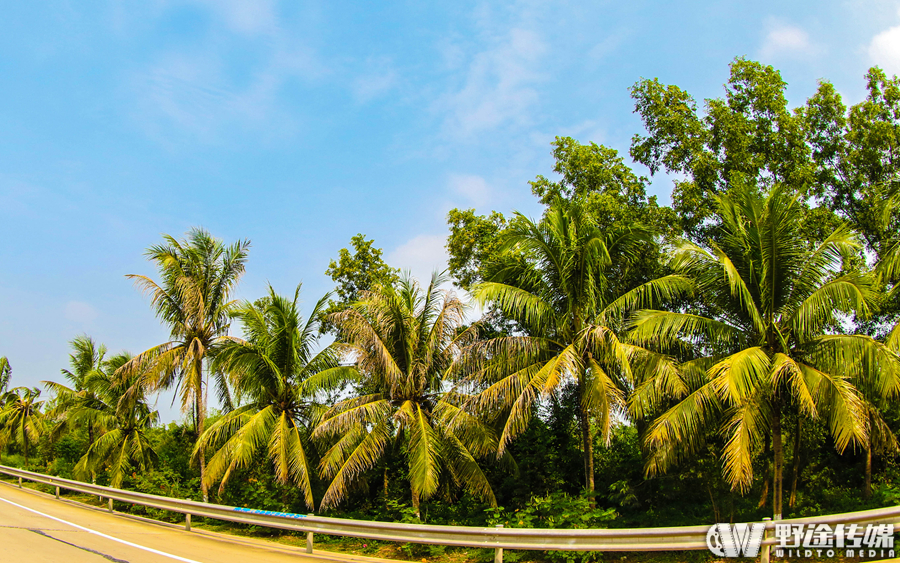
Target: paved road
(38,528)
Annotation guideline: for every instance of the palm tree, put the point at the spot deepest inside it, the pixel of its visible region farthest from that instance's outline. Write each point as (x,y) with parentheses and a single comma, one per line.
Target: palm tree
(405,341)
(5,373)
(87,357)
(21,419)
(124,415)
(558,284)
(193,297)
(770,342)
(76,406)
(887,271)
(278,373)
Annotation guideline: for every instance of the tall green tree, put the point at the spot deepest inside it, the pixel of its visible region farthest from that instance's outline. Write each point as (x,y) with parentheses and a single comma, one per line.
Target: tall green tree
(559,286)
(766,341)
(279,376)
(748,138)
(610,189)
(614,195)
(474,241)
(591,173)
(197,277)
(21,419)
(854,151)
(404,340)
(857,171)
(362,270)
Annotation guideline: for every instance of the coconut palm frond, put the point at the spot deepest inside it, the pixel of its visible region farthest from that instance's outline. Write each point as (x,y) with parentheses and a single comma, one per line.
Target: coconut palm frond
(746,427)
(347,460)
(768,300)
(278,371)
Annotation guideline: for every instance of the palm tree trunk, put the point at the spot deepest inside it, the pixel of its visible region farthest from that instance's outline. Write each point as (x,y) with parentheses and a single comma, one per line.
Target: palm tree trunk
(796,461)
(712,499)
(587,443)
(779,458)
(415,502)
(204,489)
(867,487)
(767,474)
(386,483)
(201,423)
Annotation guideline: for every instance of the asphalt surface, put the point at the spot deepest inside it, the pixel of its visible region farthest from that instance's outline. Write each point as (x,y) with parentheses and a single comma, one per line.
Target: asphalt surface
(38,528)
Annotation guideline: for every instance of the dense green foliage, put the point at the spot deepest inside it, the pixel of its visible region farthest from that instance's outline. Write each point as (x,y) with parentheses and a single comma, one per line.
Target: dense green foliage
(405,342)
(21,419)
(636,364)
(278,375)
(768,348)
(559,284)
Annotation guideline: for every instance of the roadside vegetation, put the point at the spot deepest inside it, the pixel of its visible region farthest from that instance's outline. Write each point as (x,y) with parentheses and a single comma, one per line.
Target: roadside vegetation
(621,363)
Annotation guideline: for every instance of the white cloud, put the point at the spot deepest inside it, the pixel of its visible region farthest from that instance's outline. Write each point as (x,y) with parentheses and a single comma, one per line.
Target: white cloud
(247,17)
(499,85)
(608,45)
(80,312)
(421,255)
(201,93)
(786,40)
(377,80)
(195,94)
(884,50)
(186,92)
(474,189)
(452,54)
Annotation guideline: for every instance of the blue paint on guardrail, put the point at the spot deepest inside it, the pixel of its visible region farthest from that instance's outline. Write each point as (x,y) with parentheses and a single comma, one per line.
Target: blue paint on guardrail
(268,512)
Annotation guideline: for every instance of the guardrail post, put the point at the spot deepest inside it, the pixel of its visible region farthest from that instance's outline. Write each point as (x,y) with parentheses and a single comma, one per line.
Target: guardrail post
(57,493)
(498,552)
(187,522)
(110,505)
(20,482)
(309,540)
(764,554)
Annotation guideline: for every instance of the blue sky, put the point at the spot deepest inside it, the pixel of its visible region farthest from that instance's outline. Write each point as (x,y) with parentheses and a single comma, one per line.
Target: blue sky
(299,124)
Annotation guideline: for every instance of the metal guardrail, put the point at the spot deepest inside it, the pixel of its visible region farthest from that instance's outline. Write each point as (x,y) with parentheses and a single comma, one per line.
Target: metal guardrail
(498,538)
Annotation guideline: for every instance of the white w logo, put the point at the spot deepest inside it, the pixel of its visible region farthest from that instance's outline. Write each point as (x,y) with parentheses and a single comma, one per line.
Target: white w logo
(735,540)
